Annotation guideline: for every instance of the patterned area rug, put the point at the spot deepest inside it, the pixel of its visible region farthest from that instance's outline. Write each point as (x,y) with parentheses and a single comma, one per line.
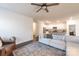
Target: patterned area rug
(38,49)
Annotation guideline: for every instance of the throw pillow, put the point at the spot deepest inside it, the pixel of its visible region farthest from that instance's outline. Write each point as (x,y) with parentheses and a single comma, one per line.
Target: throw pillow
(0,43)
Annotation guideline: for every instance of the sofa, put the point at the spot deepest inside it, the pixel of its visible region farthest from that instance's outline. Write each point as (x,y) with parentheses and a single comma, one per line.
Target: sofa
(7,46)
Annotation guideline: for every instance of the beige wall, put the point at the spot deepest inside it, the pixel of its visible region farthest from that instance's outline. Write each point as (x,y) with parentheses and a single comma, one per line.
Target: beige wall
(13,24)
(34,28)
(74,20)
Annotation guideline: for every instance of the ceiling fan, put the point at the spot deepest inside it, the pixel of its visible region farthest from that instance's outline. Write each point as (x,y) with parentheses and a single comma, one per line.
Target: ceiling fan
(45,5)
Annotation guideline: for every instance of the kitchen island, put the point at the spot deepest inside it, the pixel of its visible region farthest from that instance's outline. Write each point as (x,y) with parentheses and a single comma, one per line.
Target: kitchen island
(70,44)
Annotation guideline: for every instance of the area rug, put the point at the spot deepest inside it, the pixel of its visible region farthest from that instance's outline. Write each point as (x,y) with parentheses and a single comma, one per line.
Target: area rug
(38,49)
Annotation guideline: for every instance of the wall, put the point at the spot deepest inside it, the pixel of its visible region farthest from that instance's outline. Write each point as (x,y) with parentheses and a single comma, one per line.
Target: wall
(74,20)
(59,26)
(34,28)
(70,21)
(41,25)
(13,24)
(50,26)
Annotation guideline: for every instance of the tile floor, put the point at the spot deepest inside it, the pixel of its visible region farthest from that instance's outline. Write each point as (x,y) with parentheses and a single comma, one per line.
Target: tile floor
(72,49)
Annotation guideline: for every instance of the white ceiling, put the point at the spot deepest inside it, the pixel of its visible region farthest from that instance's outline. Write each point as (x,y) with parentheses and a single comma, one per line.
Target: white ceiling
(22,8)
(64,10)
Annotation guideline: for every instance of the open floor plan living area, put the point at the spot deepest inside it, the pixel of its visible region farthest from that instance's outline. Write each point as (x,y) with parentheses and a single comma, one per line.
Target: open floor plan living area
(39,29)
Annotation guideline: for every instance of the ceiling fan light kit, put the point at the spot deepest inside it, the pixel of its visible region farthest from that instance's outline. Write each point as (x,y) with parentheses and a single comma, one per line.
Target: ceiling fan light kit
(44,6)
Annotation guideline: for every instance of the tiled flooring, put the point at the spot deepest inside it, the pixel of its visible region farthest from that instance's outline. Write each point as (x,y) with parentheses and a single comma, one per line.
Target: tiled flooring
(72,49)
(38,49)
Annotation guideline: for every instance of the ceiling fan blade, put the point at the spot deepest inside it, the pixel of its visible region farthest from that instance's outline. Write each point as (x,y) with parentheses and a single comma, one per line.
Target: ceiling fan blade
(46,9)
(53,4)
(39,9)
(35,4)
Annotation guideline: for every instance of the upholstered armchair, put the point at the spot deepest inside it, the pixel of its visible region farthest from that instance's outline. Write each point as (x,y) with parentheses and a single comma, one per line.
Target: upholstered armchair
(7,46)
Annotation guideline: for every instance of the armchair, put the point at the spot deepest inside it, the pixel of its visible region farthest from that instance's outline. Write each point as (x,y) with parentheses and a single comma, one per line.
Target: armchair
(7,47)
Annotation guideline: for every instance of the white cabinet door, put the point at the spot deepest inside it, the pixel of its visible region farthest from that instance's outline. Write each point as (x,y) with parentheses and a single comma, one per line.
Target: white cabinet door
(58,44)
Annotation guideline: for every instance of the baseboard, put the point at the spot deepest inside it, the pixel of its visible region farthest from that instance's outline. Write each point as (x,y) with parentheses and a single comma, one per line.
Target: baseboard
(23,44)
